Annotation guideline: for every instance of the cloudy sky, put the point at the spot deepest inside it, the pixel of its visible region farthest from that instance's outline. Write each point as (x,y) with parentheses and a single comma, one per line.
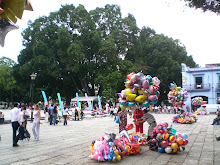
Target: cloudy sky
(198,31)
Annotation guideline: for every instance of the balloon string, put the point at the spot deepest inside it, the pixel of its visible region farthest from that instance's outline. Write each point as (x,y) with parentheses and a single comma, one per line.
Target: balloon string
(149,149)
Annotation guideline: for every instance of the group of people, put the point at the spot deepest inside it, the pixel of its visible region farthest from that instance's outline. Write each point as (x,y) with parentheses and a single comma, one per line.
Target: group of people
(217,119)
(19,116)
(51,114)
(166,109)
(140,116)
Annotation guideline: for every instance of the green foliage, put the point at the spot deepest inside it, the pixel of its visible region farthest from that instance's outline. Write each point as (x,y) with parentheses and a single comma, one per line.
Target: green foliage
(7,81)
(205,5)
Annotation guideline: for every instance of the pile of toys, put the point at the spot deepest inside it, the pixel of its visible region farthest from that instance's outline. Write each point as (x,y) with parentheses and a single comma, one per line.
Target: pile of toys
(201,111)
(166,139)
(113,149)
(185,118)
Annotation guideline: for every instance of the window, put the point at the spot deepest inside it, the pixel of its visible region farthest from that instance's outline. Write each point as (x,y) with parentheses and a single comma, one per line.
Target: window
(218,95)
(198,82)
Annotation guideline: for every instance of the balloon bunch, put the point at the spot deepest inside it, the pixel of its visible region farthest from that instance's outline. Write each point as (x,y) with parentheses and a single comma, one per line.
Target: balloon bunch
(177,95)
(198,101)
(185,118)
(10,10)
(167,139)
(139,88)
(201,111)
(113,149)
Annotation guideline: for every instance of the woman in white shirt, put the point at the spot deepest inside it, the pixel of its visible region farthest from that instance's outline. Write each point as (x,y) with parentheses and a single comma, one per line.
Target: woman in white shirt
(36,122)
(65,113)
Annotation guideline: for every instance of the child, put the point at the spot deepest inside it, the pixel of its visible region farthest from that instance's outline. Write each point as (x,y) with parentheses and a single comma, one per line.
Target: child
(150,120)
(138,114)
(122,116)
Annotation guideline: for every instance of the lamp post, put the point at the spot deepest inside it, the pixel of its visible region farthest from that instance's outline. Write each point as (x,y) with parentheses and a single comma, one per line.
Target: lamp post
(33,77)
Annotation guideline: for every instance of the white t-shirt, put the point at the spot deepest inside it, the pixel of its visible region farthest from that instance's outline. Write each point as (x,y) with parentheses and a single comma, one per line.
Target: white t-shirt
(65,111)
(115,110)
(21,116)
(155,107)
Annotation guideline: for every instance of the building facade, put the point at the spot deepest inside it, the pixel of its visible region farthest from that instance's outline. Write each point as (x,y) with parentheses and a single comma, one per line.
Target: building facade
(203,82)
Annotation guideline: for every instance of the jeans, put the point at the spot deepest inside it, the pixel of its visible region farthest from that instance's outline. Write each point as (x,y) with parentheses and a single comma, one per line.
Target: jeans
(151,127)
(76,114)
(65,121)
(51,119)
(115,116)
(2,120)
(54,119)
(216,121)
(15,126)
(35,130)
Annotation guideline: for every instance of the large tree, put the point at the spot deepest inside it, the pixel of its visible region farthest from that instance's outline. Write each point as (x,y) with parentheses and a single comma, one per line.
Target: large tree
(72,48)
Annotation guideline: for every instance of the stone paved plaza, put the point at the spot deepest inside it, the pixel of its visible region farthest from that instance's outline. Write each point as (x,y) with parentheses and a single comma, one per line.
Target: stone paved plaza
(70,144)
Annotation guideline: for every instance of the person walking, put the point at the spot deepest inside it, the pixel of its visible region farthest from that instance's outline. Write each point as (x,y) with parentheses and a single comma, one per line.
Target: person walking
(122,116)
(76,112)
(36,122)
(55,115)
(81,114)
(46,115)
(65,113)
(2,119)
(15,124)
(51,114)
(115,112)
(138,114)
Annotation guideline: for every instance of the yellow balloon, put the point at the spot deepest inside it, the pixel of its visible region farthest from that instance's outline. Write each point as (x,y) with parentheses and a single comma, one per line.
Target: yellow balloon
(128,91)
(140,91)
(141,98)
(174,146)
(131,97)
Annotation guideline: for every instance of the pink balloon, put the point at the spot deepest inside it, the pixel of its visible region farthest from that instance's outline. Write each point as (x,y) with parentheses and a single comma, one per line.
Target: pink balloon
(152,97)
(145,84)
(178,134)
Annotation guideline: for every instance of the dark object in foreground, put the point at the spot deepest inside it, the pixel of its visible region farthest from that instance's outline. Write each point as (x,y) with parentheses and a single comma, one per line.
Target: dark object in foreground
(217,138)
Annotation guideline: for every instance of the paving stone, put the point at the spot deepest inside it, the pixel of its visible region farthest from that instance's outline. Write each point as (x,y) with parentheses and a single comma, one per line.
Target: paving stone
(70,144)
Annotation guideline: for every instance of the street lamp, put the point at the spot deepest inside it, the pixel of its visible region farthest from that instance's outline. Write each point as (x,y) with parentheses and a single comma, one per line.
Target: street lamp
(33,77)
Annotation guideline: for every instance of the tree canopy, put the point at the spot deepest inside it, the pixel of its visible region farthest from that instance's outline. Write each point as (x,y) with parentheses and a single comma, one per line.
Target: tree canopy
(73,50)
(205,5)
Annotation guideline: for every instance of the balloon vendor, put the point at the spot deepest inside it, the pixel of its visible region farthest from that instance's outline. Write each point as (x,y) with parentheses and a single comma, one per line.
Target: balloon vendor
(122,116)
(138,114)
(150,120)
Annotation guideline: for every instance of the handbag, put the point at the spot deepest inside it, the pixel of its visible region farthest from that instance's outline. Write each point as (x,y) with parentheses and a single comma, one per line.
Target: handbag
(117,120)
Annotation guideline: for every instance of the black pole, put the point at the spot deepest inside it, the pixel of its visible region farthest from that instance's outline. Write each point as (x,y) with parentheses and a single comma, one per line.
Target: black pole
(32,98)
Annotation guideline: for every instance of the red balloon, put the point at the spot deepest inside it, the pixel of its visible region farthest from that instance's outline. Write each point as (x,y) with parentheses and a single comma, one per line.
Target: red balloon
(161,131)
(164,143)
(185,142)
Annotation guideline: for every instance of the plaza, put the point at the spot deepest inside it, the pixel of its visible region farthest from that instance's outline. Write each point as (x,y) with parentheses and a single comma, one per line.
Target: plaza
(70,144)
